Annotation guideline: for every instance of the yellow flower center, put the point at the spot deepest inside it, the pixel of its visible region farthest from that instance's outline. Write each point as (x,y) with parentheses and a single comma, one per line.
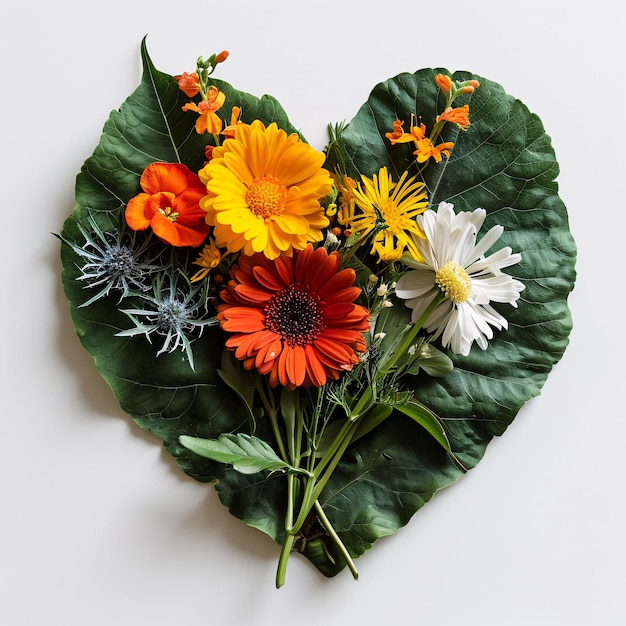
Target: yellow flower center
(454,281)
(266,197)
(392,217)
(167,211)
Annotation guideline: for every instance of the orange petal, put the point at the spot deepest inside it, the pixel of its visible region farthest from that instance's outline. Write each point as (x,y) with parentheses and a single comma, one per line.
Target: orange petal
(177,234)
(281,366)
(136,212)
(350,294)
(315,369)
(337,282)
(296,365)
(267,278)
(252,293)
(174,177)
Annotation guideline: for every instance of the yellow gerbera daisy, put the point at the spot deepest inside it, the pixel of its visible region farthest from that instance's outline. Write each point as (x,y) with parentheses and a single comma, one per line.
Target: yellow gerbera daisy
(264,190)
(388,210)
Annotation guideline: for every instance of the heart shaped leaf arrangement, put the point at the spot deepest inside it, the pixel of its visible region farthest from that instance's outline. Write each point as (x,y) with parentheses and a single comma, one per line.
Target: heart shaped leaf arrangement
(329,337)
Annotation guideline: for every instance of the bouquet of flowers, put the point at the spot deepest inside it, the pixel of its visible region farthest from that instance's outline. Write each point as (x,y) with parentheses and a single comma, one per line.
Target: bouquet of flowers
(328,337)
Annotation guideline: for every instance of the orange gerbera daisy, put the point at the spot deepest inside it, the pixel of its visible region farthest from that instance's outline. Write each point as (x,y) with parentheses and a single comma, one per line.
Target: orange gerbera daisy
(294,318)
(169,205)
(264,189)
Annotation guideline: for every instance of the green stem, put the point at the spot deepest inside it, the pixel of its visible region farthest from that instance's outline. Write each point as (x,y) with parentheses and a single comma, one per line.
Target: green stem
(290,502)
(281,571)
(321,482)
(332,533)
(360,408)
(305,507)
(410,337)
(316,483)
(270,407)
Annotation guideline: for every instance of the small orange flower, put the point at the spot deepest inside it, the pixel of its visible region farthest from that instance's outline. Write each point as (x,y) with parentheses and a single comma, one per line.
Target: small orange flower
(208,122)
(169,205)
(424,148)
(189,83)
(293,318)
(229,131)
(458,115)
(417,133)
(444,83)
(398,135)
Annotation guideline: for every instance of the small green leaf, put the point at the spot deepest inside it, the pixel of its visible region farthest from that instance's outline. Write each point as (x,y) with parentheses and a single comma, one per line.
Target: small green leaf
(428,420)
(247,454)
(240,380)
(433,361)
(373,418)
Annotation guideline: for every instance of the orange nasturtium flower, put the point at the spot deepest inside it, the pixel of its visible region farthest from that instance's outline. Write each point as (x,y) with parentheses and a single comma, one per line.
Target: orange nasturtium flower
(294,318)
(208,122)
(169,205)
(189,83)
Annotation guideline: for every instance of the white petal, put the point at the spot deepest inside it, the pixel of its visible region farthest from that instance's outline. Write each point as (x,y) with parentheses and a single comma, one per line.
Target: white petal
(495,262)
(483,245)
(415,283)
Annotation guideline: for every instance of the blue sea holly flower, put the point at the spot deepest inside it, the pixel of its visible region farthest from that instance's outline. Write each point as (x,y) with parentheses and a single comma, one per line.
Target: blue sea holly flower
(176,311)
(112,261)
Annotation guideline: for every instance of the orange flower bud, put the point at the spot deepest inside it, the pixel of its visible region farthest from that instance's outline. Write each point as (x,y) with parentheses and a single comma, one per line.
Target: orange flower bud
(471,85)
(444,83)
(221,57)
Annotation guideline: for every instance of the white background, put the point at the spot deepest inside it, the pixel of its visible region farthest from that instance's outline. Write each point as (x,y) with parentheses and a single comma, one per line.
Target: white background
(97,524)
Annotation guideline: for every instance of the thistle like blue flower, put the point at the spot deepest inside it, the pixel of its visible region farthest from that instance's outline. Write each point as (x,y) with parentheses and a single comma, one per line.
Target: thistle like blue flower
(112,261)
(176,310)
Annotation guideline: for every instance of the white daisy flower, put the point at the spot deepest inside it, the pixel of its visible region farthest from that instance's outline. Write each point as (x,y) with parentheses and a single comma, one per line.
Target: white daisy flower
(455,266)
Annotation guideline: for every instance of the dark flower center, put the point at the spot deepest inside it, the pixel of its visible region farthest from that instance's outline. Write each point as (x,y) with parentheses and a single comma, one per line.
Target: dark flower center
(296,315)
(172,313)
(118,260)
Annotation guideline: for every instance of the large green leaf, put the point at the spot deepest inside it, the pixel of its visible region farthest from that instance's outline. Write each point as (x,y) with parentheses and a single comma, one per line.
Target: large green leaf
(503,163)
(162,394)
